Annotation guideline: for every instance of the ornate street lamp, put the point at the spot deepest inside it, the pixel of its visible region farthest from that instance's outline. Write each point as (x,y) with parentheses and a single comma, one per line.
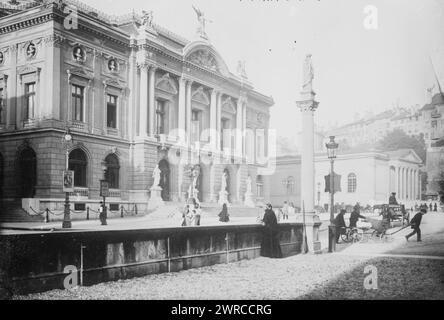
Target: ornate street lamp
(67,141)
(332,147)
(104,190)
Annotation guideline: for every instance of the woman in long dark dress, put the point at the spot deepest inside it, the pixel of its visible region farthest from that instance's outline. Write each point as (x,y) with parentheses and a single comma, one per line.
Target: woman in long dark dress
(270,246)
(223,215)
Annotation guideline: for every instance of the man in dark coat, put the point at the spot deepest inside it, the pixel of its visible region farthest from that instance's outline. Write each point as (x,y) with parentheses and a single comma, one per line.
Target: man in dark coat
(340,224)
(392,199)
(270,246)
(415,224)
(354,217)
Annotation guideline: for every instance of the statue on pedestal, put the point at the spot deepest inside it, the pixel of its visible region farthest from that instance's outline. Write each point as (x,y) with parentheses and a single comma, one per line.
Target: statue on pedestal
(156,176)
(307,82)
(249,194)
(223,193)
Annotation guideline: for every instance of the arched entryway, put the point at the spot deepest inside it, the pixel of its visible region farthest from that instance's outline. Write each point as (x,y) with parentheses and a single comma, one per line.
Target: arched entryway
(27,173)
(165,179)
(78,162)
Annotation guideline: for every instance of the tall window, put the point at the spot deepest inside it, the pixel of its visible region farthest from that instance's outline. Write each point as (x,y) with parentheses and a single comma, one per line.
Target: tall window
(111,111)
(78,163)
(225,135)
(112,171)
(77,95)
(259,187)
(160,117)
(30,100)
(195,125)
(351,183)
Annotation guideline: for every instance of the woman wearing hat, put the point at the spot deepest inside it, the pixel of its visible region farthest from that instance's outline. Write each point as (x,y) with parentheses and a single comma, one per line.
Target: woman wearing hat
(270,246)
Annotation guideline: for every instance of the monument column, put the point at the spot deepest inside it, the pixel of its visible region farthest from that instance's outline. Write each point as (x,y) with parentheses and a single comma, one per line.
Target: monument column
(308,106)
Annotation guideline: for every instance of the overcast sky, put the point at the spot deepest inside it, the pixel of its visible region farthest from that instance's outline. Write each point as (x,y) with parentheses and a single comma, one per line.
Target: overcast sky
(355,69)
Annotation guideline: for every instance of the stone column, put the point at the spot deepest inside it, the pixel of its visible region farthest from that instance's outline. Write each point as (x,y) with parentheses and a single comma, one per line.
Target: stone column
(213,120)
(143,103)
(308,106)
(181,110)
(239,122)
(188,110)
(151,101)
(219,120)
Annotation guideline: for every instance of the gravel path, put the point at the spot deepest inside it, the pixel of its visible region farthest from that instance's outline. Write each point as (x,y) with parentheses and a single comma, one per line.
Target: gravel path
(299,277)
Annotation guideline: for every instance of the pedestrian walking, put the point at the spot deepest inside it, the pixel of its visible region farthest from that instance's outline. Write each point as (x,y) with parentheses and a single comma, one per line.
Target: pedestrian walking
(415,224)
(197,214)
(436,207)
(102,214)
(223,215)
(270,246)
(285,211)
(430,207)
(340,224)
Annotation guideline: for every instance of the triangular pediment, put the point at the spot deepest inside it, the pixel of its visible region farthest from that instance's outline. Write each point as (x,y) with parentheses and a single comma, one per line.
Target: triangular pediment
(411,157)
(228,106)
(167,84)
(201,96)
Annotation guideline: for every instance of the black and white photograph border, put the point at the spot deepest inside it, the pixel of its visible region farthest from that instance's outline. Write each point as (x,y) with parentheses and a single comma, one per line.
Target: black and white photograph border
(242,150)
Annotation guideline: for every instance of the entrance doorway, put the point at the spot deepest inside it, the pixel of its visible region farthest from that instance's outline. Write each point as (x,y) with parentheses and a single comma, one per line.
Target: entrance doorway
(165,179)
(27,173)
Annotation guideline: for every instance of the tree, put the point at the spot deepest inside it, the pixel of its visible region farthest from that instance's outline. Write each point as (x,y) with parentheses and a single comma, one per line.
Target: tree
(398,139)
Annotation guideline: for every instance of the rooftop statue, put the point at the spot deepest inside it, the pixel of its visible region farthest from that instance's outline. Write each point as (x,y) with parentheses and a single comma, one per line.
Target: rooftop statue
(202,20)
(147,18)
(307,84)
(241,69)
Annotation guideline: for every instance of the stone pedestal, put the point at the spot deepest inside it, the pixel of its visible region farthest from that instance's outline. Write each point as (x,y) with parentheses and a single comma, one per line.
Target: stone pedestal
(223,197)
(156,198)
(312,224)
(248,202)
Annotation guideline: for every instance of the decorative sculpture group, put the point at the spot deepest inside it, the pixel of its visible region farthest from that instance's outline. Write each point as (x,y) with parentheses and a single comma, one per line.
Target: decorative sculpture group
(156,190)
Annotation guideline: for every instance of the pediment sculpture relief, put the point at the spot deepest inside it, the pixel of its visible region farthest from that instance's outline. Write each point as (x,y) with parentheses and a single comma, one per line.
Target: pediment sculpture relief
(201,96)
(167,84)
(204,59)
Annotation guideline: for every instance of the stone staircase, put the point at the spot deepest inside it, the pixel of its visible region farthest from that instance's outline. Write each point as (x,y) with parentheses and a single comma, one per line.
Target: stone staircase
(173,210)
(11,211)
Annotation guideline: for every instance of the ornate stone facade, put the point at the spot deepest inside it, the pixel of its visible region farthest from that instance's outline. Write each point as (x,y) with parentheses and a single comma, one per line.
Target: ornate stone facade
(132,97)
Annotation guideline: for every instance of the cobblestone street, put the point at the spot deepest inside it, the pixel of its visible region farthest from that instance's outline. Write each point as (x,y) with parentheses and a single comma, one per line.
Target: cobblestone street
(407,271)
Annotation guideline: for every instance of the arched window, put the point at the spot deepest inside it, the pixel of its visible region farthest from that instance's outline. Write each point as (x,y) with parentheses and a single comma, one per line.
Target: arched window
(78,163)
(112,171)
(351,183)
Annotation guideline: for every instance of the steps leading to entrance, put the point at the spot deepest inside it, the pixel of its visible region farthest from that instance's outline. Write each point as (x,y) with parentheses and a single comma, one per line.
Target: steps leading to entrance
(11,211)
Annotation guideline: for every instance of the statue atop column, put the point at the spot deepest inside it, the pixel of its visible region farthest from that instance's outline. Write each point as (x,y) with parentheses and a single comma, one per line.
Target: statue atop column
(308,71)
(202,20)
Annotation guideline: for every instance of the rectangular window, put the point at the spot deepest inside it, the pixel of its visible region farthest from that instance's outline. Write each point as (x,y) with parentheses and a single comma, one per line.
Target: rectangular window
(160,117)
(195,125)
(29,100)
(77,100)
(111,111)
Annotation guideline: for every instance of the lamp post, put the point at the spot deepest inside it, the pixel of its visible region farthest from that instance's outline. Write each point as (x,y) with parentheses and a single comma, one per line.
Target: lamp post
(104,189)
(332,146)
(67,140)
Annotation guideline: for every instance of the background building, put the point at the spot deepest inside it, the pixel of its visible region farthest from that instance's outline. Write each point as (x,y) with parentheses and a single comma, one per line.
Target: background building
(367,177)
(134,95)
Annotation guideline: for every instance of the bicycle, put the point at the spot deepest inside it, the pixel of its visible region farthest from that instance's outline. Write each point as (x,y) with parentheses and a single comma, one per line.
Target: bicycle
(352,235)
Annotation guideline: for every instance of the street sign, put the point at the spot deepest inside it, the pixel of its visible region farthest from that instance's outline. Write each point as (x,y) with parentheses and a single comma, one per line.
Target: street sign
(68,181)
(337,183)
(104,188)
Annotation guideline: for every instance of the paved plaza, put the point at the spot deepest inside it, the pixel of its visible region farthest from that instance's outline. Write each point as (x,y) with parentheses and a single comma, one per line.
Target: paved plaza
(405,270)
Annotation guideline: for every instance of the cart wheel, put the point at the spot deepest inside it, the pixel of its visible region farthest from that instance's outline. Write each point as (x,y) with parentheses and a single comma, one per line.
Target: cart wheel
(345,237)
(357,237)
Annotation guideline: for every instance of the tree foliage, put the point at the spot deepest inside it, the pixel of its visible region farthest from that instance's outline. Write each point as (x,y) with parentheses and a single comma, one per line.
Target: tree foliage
(398,139)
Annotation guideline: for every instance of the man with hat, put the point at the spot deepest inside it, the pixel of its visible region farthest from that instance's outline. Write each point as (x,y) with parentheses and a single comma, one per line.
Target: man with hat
(340,224)
(415,223)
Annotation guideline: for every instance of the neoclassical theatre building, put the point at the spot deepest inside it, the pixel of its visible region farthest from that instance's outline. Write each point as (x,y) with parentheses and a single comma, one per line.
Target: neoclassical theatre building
(133,95)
